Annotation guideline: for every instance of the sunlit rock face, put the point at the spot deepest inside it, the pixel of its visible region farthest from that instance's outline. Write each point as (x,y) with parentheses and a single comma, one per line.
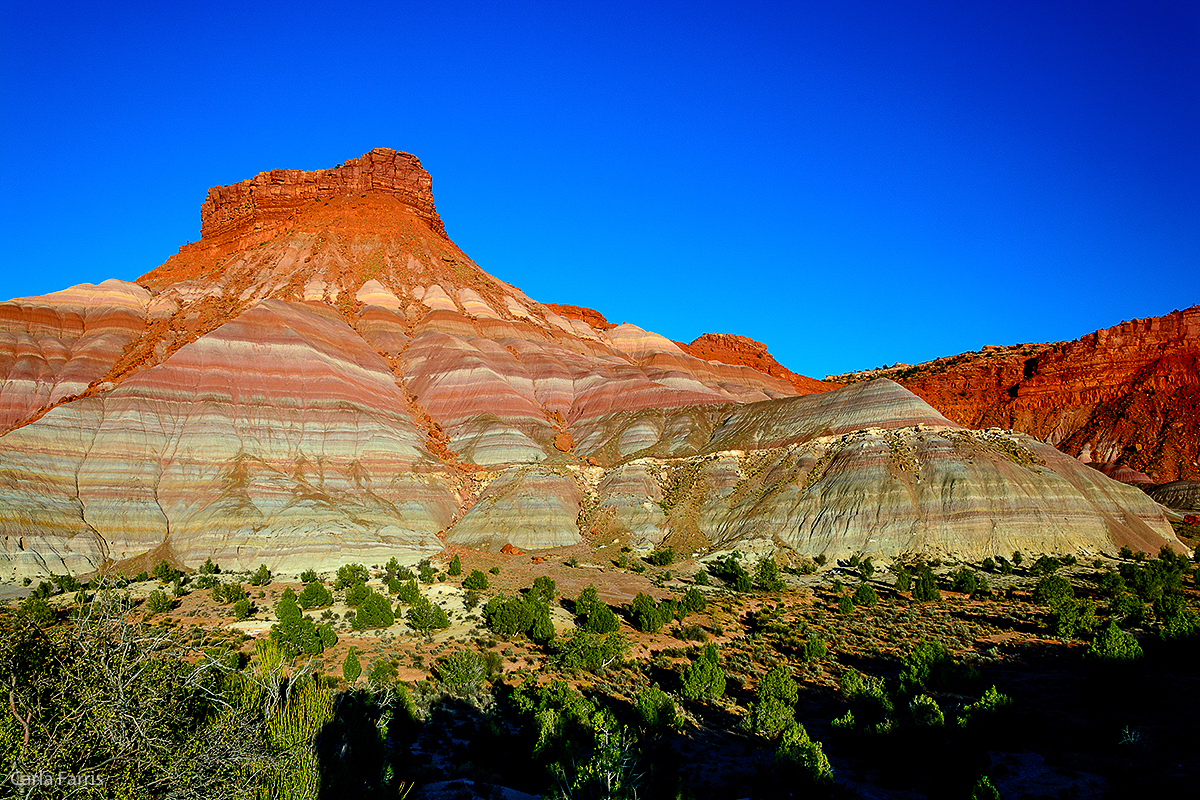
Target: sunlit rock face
(1123,398)
(325,377)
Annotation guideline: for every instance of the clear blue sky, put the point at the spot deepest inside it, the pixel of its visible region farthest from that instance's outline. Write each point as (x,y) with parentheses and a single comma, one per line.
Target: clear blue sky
(852,183)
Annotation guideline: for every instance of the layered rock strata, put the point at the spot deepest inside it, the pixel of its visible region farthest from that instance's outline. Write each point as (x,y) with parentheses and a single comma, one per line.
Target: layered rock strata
(325,377)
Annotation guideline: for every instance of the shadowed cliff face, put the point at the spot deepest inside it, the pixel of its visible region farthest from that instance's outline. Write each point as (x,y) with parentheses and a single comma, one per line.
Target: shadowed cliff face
(1124,397)
(326,377)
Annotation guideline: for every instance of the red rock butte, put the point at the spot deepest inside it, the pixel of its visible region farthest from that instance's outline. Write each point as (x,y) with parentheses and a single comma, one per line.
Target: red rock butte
(326,377)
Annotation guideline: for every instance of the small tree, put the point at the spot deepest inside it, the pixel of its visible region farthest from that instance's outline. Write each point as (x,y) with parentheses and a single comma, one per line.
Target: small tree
(426,571)
(1114,645)
(242,609)
(655,710)
(903,580)
(209,568)
(845,605)
(693,601)
(766,575)
(462,673)
(164,572)
(455,568)
(925,589)
(375,611)
(774,707)
(426,617)
(601,619)
(315,595)
(476,580)
(703,680)
(158,602)
(308,576)
(262,577)
(351,668)
(644,612)
(408,592)
(864,595)
(356,594)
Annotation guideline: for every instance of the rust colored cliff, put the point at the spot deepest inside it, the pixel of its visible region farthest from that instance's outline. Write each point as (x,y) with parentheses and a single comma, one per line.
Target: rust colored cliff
(1125,396)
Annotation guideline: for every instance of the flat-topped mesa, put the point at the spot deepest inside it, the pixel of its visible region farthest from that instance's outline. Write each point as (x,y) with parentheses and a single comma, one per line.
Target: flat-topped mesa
(282,190)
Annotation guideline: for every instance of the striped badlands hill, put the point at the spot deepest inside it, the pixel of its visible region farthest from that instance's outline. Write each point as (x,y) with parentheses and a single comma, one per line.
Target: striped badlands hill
(326,377)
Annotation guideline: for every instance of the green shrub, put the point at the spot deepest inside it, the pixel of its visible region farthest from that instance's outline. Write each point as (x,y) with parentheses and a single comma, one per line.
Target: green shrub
(965,581)
(462,673)
(845,605)
(308,576)
(508,616)
(351,668)
(815,648)
(991,704)
(866,568)
(544,588)
(164,572)
(1128,609)
(925,588)
(426,617)
(37,610)
(644,613)
(700,578)
(730,570)
(141,577)
(903,580)
(864,595)
(242,609)
(655,710)
(261,577)
(158,602)
(209,568)
(350,574)
(356,593)
(774,707)
(928,665)
(1176,620)
(228,592)
(408,592)
(587,598)
(1069,616)
(426,571)
(984,790)
(591,651)
(988,565)
(703,680)
(476,580)
(601,619)
(1114,645)
(375,611)
(797,755)
(297,633)
(383,673)
(1017,558)
(494,571)
(693,601)
(925,712)
(1052,588)
(766,575)
(455,568)
(661,558)
(541,630)
(315,595)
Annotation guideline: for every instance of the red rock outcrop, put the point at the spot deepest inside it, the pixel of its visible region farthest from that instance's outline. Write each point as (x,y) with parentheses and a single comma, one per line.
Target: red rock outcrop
(588,315)
(1127,396)
(729,348)
(277,194)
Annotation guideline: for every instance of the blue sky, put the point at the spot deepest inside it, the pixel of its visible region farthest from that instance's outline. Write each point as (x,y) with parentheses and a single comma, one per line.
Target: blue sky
(853,183)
